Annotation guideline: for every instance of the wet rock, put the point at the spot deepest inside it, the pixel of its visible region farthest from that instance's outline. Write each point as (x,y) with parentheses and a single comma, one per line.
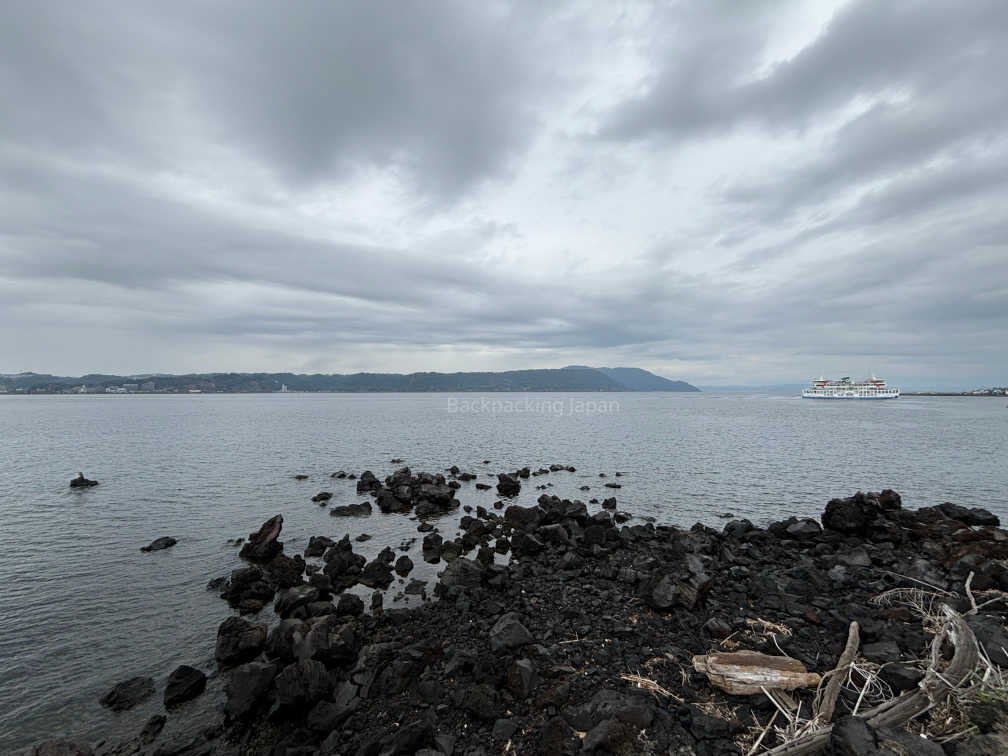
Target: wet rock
(483,486)
(376,574)
(509,633)
(322,496)
(386,555)
(609,503)
(300,476)
(508,485)
(247,687)
(403,565)
(292,599)
(164,542)
(284,571)
(367,482)
(360,509)
(238,640)
(317,546)
(183,684)
(263,544)
(81,482)
(129,693)
(152,728)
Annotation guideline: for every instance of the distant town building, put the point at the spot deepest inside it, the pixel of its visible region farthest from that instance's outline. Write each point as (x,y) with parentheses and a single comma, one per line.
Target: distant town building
(115,390)
(147,386)
(131,386)
(283,388)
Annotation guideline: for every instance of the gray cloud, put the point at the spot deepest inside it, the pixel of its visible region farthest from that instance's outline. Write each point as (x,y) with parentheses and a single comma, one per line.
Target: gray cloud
(721,192)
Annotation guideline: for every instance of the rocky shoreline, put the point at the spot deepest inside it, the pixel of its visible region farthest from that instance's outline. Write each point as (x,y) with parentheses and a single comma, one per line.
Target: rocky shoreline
(557,630)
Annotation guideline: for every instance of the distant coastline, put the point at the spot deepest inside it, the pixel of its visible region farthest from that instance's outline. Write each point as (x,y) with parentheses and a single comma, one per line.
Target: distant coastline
(571,378)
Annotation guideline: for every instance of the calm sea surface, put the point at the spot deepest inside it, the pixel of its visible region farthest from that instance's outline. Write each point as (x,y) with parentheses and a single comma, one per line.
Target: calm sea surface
(83,607)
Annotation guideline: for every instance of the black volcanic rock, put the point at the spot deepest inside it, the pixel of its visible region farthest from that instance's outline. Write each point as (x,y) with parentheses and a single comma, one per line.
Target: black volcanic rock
(128,693)
(184,683)
(508,485)
(238,640)
(164,542)
(81,482)
(263,544)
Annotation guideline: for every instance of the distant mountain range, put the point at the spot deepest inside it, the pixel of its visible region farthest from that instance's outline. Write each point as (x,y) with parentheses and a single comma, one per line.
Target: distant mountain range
(571,378)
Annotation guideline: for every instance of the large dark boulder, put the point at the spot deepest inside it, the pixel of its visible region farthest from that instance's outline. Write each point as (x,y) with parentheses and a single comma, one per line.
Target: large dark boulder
(263,544)
(128,693)
(184,683)
(376,574)
(290,600)
(853,515)
(238,640)
(247,687)
(301,684)
(524,518)
(285,571)
(332,641)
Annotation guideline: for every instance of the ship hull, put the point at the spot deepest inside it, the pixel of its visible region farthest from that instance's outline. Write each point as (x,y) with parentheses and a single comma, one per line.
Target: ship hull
(865,398)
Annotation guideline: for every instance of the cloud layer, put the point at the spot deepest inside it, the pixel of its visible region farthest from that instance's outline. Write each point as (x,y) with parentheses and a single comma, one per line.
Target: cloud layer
(721,192)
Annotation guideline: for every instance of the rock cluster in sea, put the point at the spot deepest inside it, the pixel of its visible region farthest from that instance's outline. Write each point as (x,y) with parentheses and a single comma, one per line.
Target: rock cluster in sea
(583,642)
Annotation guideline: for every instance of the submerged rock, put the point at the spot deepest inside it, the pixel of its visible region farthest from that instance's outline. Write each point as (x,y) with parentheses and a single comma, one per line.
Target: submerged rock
(184,683)
(164,542)
(128,694)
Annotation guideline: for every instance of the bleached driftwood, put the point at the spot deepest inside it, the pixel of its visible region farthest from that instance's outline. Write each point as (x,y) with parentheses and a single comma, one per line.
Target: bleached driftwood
(745,673)
(828,702)
(934,688)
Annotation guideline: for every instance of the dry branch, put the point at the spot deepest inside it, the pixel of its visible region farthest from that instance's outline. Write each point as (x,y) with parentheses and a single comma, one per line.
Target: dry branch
(829,699)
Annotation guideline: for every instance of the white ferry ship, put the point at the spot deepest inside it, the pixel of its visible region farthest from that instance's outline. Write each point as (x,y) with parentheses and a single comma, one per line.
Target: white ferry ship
(845,388)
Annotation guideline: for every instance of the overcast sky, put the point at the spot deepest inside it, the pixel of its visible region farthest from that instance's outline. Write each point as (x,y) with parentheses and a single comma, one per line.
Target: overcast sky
(726,192)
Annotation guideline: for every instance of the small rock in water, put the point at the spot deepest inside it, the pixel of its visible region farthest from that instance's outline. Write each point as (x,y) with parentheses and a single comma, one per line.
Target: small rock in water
(81,482)
(164,542)
(184,683)
(322,496)
(300,476)
(128,694)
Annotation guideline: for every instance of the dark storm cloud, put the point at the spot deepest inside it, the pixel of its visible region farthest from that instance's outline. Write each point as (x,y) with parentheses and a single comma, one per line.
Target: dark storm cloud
(277,186)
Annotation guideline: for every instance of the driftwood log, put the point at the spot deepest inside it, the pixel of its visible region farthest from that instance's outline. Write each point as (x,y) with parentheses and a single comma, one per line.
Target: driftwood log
(933,689)
(744,673)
